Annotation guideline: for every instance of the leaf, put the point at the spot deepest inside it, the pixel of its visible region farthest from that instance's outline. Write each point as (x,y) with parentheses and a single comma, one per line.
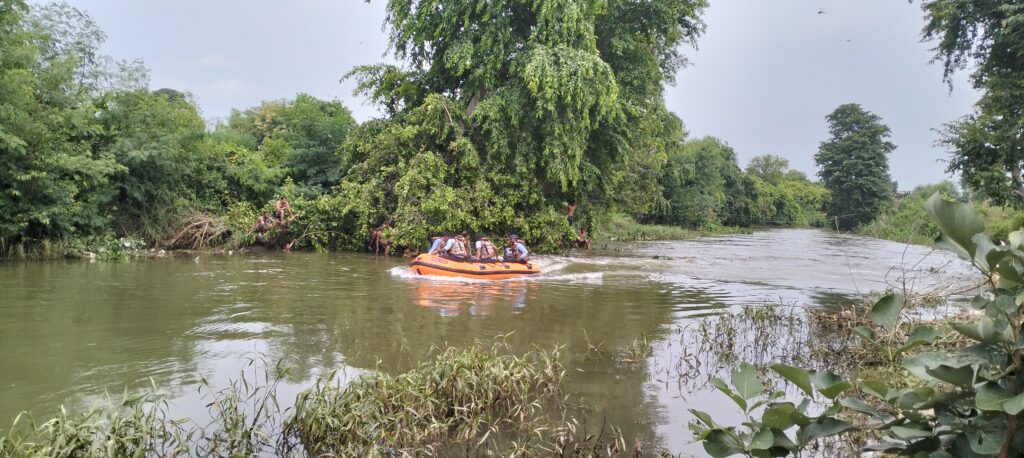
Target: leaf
(990,396)
(876,389)
(959,376)
(828,384)
(704,418)
(904,432)
(865,333)
(923,335)
(886,311)
(763,440)
(780,416)
(747,381)
(985,330)
(1014,405)
(719,443)
(739,400)
(958,222)
(796,376)
(822,427)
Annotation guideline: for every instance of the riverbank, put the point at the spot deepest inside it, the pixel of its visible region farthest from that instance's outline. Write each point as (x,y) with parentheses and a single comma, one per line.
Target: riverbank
(622,228)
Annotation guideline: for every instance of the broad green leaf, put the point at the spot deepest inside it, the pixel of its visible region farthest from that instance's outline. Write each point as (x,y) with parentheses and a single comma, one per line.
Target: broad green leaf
(1014,405)
(958,222)
(828,384)
(886,311)
(876,389)
(916,399)
(909,433)
(724,388)
(780,416)
(920,336)
(704,418)
(747,381)
(782,441)
(762,440)
(985,330)
(959,376)
(1016,239)
(720,443)
(822,427)
(865,333)
(796,376)
(990,396)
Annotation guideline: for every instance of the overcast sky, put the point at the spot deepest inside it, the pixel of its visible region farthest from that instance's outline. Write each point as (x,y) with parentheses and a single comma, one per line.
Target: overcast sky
(765,75)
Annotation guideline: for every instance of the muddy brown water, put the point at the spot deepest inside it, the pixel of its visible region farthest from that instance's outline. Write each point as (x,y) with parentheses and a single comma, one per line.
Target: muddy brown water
(72,331)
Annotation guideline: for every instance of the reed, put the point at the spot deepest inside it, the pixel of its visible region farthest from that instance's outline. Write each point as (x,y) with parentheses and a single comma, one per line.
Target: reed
(462,398)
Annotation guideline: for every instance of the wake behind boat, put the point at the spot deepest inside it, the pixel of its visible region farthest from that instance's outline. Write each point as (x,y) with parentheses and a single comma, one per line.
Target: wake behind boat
(427,264)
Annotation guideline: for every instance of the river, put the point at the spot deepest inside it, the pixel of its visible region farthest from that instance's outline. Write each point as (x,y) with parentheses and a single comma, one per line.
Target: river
(71,331)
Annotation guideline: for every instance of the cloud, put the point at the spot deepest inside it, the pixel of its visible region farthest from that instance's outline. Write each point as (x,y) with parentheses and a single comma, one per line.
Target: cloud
(213,59)
(229,87)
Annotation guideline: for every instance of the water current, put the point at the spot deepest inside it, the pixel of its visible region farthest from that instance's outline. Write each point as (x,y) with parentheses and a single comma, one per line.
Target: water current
(71,331)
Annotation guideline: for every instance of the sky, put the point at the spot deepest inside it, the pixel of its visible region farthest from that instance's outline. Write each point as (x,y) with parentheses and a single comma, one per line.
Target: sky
(763,76)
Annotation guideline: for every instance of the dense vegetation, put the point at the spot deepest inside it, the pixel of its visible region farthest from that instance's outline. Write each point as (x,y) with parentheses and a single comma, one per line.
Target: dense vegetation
(854,165)
(495,130)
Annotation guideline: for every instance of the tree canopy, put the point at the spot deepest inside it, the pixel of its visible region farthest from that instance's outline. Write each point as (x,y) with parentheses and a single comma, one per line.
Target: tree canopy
(855,165)
(987,147)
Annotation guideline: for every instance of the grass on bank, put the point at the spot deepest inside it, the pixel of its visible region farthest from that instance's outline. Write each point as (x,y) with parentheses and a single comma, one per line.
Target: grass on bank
(622,228)
(475,401)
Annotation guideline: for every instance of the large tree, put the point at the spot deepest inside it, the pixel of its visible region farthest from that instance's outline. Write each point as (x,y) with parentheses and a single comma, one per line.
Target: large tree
(854,165)
(504,110)
(769,167)
(51,181)
(988,146)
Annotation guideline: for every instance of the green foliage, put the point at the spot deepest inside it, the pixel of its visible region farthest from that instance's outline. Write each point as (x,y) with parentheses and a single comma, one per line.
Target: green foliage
(504,112)
(704,187)
(297,138)
(462,396)
(854,166)
(51,183)
(988,35)
(962,401)
(622,228)
(770,168)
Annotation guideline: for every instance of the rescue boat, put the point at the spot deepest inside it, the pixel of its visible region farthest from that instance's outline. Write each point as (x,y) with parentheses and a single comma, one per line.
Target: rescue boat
(426,264)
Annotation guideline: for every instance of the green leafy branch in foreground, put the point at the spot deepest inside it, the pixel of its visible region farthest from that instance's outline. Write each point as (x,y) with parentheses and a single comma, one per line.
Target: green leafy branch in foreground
(963,402)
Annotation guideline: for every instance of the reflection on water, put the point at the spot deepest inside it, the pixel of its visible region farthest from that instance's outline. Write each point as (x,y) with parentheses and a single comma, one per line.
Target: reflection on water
(71,330)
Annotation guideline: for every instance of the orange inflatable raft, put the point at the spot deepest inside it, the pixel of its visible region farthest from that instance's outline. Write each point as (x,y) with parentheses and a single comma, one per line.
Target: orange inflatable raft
(426,264)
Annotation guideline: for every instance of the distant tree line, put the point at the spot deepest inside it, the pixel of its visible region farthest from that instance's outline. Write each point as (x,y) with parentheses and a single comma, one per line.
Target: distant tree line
(495,127)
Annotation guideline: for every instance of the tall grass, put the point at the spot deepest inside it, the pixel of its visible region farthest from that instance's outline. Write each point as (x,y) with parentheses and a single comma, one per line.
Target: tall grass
(465,397)
(475,401)
(623,228)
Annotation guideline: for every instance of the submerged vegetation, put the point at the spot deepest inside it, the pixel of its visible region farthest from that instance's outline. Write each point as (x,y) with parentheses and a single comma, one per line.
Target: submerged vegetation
(961,398)
(470,400)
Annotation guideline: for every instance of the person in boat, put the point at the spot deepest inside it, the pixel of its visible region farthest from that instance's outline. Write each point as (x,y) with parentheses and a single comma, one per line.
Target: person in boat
(439,244)
(519,251)
(456,249)
(485,250)
(467,242)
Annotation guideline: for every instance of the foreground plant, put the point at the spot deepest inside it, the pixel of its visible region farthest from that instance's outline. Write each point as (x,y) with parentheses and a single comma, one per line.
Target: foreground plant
(465,396)
(963,402)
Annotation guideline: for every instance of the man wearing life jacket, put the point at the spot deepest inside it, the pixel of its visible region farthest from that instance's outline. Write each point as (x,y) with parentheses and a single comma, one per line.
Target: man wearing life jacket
(438,245)
(485,250)
(467,242)
(519,251)
(457,250)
